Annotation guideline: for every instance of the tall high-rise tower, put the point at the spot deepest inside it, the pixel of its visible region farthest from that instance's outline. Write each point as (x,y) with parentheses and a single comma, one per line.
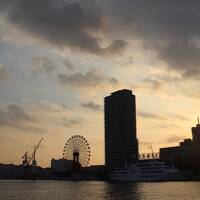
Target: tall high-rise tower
(121,144)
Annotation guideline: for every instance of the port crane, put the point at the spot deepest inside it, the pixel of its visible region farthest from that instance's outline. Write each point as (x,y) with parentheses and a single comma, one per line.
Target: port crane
(31,160)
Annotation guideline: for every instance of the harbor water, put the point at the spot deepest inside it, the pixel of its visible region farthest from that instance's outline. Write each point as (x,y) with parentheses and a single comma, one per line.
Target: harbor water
(97,190)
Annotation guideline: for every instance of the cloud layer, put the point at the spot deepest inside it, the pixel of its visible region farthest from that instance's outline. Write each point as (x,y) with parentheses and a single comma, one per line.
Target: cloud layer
(16,116)
(163,117)
(171,29)
(75,24)
(92,106)
(42,64)
(90,79)
(4,75)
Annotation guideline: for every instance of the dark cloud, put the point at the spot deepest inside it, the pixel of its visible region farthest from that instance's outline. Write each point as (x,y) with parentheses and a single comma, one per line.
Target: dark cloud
(14,115)
(171,139)
(183,56)
(72,122)
(167,77)
(6,138)
(113,81)
(69,65)
(158,82)
(30,128)
(171,29)
(192,74)
(160,20)
(74,24)
(45,106)
(91,79)
(4,75)
(180,117)
(151,115)
(23,118)
(149,84)
(195,94)
(42,64)
(174,138)
(117,46)
(165,117)
(153,83)
(168,126)
(92,106)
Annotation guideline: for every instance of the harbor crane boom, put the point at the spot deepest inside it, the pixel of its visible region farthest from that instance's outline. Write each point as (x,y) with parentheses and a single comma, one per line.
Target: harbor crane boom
(28,159)
(34,163)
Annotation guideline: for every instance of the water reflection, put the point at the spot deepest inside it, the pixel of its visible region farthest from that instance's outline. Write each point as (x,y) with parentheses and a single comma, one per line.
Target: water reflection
(97,190)
(118,191)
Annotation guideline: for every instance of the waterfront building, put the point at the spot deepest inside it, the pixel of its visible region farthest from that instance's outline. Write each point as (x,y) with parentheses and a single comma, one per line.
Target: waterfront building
(121,144)
(171,155)
(61,166)
(181,156)
(11,171)
(187,154)
(196,140)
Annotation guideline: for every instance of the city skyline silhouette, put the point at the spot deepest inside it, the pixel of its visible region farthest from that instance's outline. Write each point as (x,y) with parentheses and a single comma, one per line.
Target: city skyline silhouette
(58,60)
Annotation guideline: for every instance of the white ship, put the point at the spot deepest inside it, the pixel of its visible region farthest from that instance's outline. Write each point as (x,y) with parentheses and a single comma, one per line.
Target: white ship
(145,170)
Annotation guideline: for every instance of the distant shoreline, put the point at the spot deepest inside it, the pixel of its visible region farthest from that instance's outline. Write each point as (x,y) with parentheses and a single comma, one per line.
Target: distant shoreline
(105,180)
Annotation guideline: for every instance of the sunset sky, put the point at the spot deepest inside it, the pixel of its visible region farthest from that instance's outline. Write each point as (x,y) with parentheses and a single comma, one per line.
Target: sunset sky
(60,58)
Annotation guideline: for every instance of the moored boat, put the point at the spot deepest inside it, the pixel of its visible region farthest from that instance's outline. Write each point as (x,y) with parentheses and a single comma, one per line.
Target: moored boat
(145,170)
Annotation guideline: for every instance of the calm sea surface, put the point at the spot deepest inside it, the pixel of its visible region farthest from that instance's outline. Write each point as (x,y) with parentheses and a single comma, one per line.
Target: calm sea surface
(93,190)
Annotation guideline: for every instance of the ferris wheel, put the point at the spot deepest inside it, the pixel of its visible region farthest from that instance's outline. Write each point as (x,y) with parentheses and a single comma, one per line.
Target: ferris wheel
(78,150)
